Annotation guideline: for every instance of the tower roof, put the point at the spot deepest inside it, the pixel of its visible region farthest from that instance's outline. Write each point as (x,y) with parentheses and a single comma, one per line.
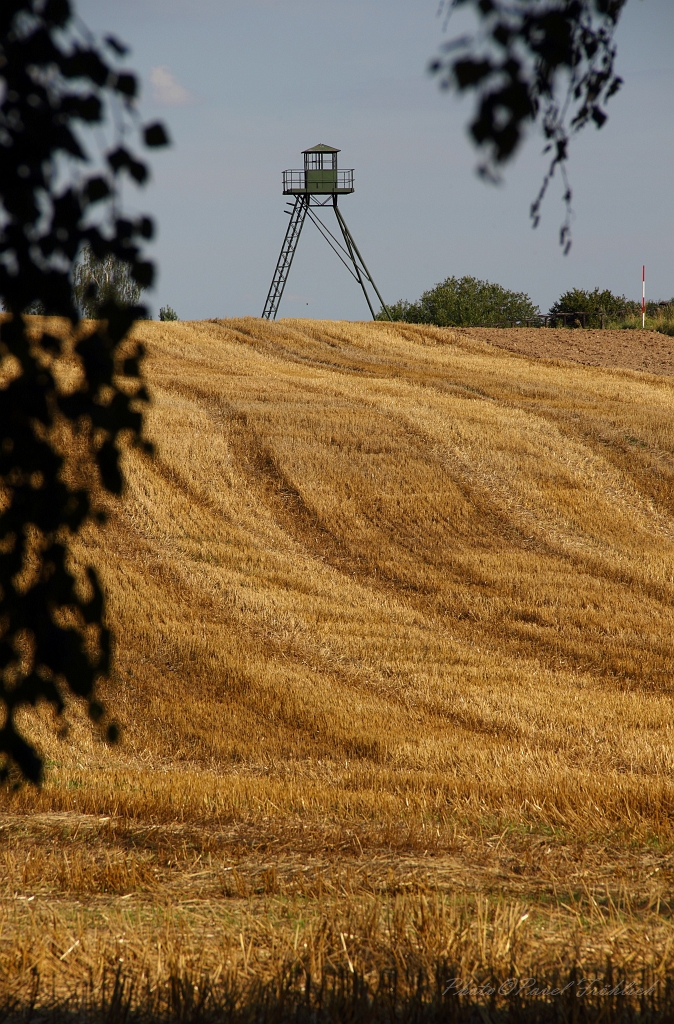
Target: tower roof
(321,148)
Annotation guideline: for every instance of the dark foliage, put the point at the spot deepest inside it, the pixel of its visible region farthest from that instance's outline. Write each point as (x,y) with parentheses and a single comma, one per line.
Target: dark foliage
(603,307)
(59,444)
(167,313)
(464,302)
(549,62)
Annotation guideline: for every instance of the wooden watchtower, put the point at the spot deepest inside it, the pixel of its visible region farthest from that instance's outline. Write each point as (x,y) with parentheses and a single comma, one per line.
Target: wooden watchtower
(318,184)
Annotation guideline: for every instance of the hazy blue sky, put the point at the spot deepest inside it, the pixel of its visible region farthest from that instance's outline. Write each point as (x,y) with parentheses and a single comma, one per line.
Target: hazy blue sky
(245,85)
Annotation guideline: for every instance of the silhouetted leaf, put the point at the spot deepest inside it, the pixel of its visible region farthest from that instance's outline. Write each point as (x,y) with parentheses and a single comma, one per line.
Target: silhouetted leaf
(121,158)
(155,135)
(97,189)
(114,44)
(126,84)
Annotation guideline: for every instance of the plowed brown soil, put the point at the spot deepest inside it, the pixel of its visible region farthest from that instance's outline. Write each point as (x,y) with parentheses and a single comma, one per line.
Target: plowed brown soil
(647,351)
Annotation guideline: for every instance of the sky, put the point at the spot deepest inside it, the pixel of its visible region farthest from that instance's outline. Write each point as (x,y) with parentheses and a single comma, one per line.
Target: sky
(243,86)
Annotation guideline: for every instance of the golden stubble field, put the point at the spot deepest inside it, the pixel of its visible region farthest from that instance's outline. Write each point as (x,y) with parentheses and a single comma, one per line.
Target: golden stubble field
(394,657)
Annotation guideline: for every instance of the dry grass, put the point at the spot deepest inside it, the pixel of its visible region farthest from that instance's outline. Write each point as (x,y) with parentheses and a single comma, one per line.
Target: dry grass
(394,666)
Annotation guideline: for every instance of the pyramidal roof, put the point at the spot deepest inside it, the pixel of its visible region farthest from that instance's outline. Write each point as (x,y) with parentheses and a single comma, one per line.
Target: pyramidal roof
(321,148)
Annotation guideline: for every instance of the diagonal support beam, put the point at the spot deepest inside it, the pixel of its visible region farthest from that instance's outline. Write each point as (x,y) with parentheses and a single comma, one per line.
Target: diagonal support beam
(342,254)
(359,263)
(348,254)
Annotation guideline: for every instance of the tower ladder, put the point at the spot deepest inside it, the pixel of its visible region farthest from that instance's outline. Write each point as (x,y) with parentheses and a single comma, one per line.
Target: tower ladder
(297,218)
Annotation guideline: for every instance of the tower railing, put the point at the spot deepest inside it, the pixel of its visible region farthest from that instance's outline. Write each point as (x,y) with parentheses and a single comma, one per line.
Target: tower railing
(325,182)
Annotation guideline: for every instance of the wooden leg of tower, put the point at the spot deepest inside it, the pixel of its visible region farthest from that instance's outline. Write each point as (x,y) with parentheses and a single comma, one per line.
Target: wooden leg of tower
(359,262)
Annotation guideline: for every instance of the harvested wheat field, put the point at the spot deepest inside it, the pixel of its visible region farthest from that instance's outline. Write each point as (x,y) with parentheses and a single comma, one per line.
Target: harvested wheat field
(395,639)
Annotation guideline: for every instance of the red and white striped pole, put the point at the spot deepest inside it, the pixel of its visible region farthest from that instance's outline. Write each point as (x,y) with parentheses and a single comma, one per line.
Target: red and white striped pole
(643,296)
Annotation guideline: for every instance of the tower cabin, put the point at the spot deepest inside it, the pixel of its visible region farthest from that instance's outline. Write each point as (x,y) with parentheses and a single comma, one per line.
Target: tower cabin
(320,175)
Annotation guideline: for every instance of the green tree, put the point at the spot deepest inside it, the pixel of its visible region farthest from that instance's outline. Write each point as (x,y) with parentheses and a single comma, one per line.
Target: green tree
(408,312)
(602,307)
(167,313)
(59,442)
(97,282)
(544,63)
(464,302)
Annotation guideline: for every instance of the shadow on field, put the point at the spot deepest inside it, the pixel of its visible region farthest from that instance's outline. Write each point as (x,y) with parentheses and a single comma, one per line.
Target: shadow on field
(345,996)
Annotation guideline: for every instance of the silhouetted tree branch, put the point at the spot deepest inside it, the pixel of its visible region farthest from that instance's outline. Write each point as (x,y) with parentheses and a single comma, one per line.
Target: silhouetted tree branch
(59,441)
(544,62)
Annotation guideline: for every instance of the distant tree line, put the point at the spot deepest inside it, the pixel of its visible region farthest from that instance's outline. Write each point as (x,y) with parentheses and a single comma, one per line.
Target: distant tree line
(463,302)
(604,309)
(596,304)
(96,282)
(469,302)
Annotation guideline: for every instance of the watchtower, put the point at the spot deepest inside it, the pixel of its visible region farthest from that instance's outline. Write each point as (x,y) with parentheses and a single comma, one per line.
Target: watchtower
(318,184)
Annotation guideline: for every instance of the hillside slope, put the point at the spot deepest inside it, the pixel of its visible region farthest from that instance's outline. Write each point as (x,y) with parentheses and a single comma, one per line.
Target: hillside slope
(389,590)
(396,547)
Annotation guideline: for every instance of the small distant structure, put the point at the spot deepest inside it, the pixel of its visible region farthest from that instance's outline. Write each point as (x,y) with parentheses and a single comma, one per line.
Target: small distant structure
(318,184)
